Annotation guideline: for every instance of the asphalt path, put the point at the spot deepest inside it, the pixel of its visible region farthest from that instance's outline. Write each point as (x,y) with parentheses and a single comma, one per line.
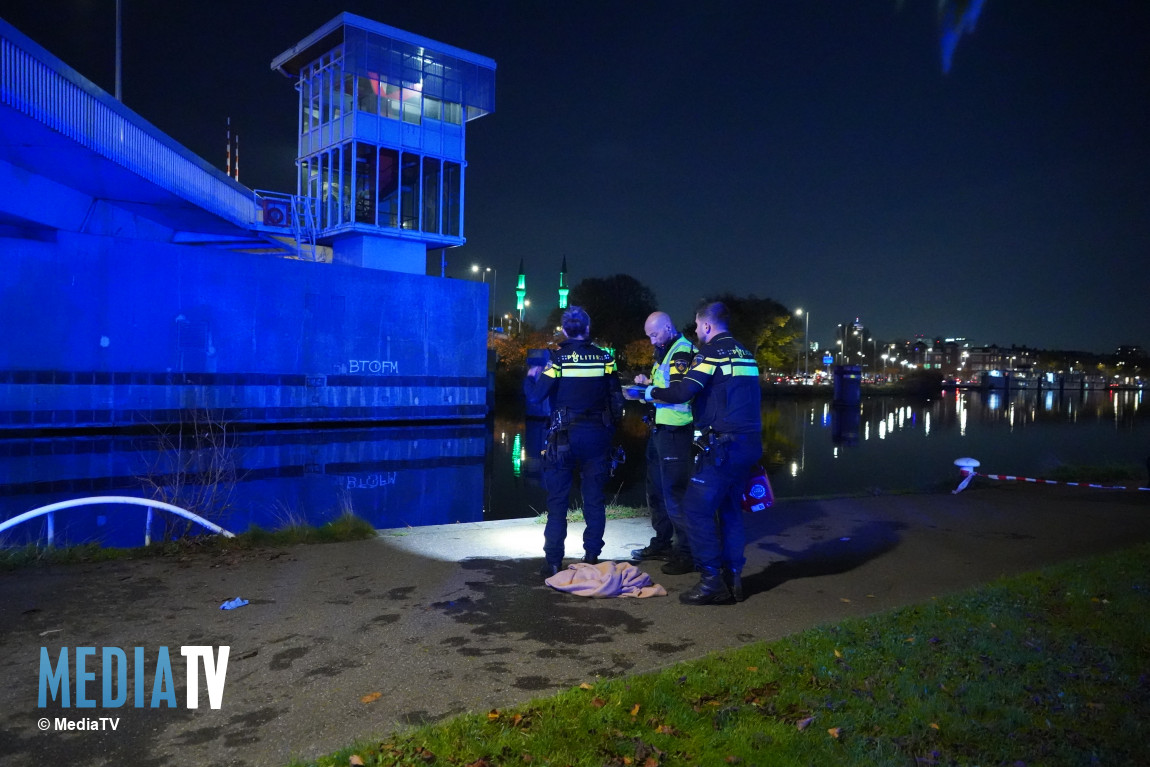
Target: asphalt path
(349,640)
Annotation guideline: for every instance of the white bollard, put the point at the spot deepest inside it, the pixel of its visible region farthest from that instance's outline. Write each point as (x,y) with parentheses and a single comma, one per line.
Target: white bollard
(967,466)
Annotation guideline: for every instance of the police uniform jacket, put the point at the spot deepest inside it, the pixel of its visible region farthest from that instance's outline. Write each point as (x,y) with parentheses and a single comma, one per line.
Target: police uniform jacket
(580,377)
(672,361)
(724,383)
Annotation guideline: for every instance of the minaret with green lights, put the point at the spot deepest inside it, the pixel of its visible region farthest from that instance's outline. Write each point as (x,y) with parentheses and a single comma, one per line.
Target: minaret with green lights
(520,290)
(563,291)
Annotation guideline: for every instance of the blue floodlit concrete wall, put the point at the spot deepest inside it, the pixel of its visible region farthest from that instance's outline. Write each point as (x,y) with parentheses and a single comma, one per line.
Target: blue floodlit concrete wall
(106,332)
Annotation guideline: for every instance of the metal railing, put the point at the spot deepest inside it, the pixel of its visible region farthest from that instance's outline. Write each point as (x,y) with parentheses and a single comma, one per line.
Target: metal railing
(277,211)
(39,85)
(50,510)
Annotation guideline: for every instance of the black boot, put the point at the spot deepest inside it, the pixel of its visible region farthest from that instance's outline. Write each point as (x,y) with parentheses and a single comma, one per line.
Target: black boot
(734,582)
(710,590)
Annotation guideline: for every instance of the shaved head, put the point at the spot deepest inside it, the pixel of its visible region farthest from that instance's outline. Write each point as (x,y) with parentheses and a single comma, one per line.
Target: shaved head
(659,328)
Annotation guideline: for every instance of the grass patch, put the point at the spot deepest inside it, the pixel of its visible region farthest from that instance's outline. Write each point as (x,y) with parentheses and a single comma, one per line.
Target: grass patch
(1046,668)
(346,527)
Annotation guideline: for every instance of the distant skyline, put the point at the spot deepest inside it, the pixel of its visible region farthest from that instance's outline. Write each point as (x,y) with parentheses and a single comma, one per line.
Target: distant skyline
(809,151)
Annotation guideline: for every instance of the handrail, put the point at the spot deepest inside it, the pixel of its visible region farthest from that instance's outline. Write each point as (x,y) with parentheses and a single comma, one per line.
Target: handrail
(102,499)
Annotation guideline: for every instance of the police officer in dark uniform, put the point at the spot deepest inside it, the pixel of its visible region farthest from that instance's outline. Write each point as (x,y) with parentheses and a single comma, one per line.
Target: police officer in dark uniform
(723,383)
(586,403)
(669,450)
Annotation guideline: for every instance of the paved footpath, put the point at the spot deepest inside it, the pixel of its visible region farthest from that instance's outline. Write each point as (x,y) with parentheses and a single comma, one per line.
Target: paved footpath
(449,619)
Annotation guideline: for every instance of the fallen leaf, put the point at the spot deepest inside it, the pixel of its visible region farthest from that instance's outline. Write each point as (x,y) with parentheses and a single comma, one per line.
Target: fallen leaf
(477,763)
(665,729)
(628,761)
(493,714)
(802,724)
(843,599)
(1091,704)
(355,761)
(910,640)
(585,686)
(651,762)
(733,759)
(635,710)
(371,697)
(515,720)
(834,731)
(598,702)
(838,654)
(934,725)
(752,668)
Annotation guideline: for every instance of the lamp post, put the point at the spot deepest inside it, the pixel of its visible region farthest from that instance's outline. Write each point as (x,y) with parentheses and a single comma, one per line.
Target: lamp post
(526,303)
(491,297)
(806,340)
(510,317)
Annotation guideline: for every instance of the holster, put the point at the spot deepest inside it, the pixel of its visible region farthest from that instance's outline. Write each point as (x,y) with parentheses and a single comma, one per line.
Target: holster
(557,444)
(706,444)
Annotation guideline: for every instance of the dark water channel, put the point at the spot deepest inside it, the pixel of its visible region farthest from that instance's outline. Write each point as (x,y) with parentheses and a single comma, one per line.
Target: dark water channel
(425,475)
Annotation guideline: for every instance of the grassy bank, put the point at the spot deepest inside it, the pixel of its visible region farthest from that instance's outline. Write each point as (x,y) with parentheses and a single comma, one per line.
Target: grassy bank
(1052,668)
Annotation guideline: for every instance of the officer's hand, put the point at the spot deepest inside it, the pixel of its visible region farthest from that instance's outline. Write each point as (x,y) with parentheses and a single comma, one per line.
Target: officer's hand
(534,371)
(633,392)
(642,380)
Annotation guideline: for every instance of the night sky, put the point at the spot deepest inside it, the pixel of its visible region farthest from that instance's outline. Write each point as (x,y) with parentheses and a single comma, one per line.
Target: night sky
(809,151)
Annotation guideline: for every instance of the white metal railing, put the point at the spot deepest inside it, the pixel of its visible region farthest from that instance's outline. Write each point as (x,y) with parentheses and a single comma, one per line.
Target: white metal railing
(50,510)
(37,84)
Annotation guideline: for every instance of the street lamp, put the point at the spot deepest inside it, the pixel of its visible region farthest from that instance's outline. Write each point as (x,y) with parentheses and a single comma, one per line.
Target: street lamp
(806,339)
(526,303)
(491,296)
(510,317)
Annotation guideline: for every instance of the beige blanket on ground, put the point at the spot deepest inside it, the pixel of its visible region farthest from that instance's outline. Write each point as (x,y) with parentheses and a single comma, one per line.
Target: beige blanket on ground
(606,579)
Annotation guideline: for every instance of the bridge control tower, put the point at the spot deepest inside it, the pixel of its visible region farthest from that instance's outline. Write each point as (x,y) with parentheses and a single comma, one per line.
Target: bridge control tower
(382,133)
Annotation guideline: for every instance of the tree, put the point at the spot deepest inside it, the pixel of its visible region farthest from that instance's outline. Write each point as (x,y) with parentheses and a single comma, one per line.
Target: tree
(637,355)
(767,328)
(618,305)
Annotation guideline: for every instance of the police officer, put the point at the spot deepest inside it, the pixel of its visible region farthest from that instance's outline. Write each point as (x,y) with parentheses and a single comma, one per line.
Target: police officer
(668,449)
(723,382)
(586,403)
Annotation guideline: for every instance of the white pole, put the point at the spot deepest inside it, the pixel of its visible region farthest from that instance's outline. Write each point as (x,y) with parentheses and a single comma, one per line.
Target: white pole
(119,51)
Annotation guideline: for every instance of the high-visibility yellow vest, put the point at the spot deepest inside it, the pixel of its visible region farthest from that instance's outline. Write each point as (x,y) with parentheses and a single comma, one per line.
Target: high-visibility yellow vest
(665,414)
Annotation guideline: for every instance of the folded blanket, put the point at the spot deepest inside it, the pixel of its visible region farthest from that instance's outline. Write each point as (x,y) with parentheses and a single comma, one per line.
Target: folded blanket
(606,579)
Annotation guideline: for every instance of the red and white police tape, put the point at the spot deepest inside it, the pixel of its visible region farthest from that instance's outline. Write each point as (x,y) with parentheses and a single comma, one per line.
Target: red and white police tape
(968,465)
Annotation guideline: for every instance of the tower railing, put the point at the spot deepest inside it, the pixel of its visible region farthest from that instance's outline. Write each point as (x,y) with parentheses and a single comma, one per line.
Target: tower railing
(278,212)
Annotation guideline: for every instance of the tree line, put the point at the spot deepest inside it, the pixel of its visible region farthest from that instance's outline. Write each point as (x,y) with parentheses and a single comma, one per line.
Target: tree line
(620,304)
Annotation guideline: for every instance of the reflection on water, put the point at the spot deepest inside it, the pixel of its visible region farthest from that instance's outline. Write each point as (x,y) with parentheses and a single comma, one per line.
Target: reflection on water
(895,443)
(400,476)
(392,477)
